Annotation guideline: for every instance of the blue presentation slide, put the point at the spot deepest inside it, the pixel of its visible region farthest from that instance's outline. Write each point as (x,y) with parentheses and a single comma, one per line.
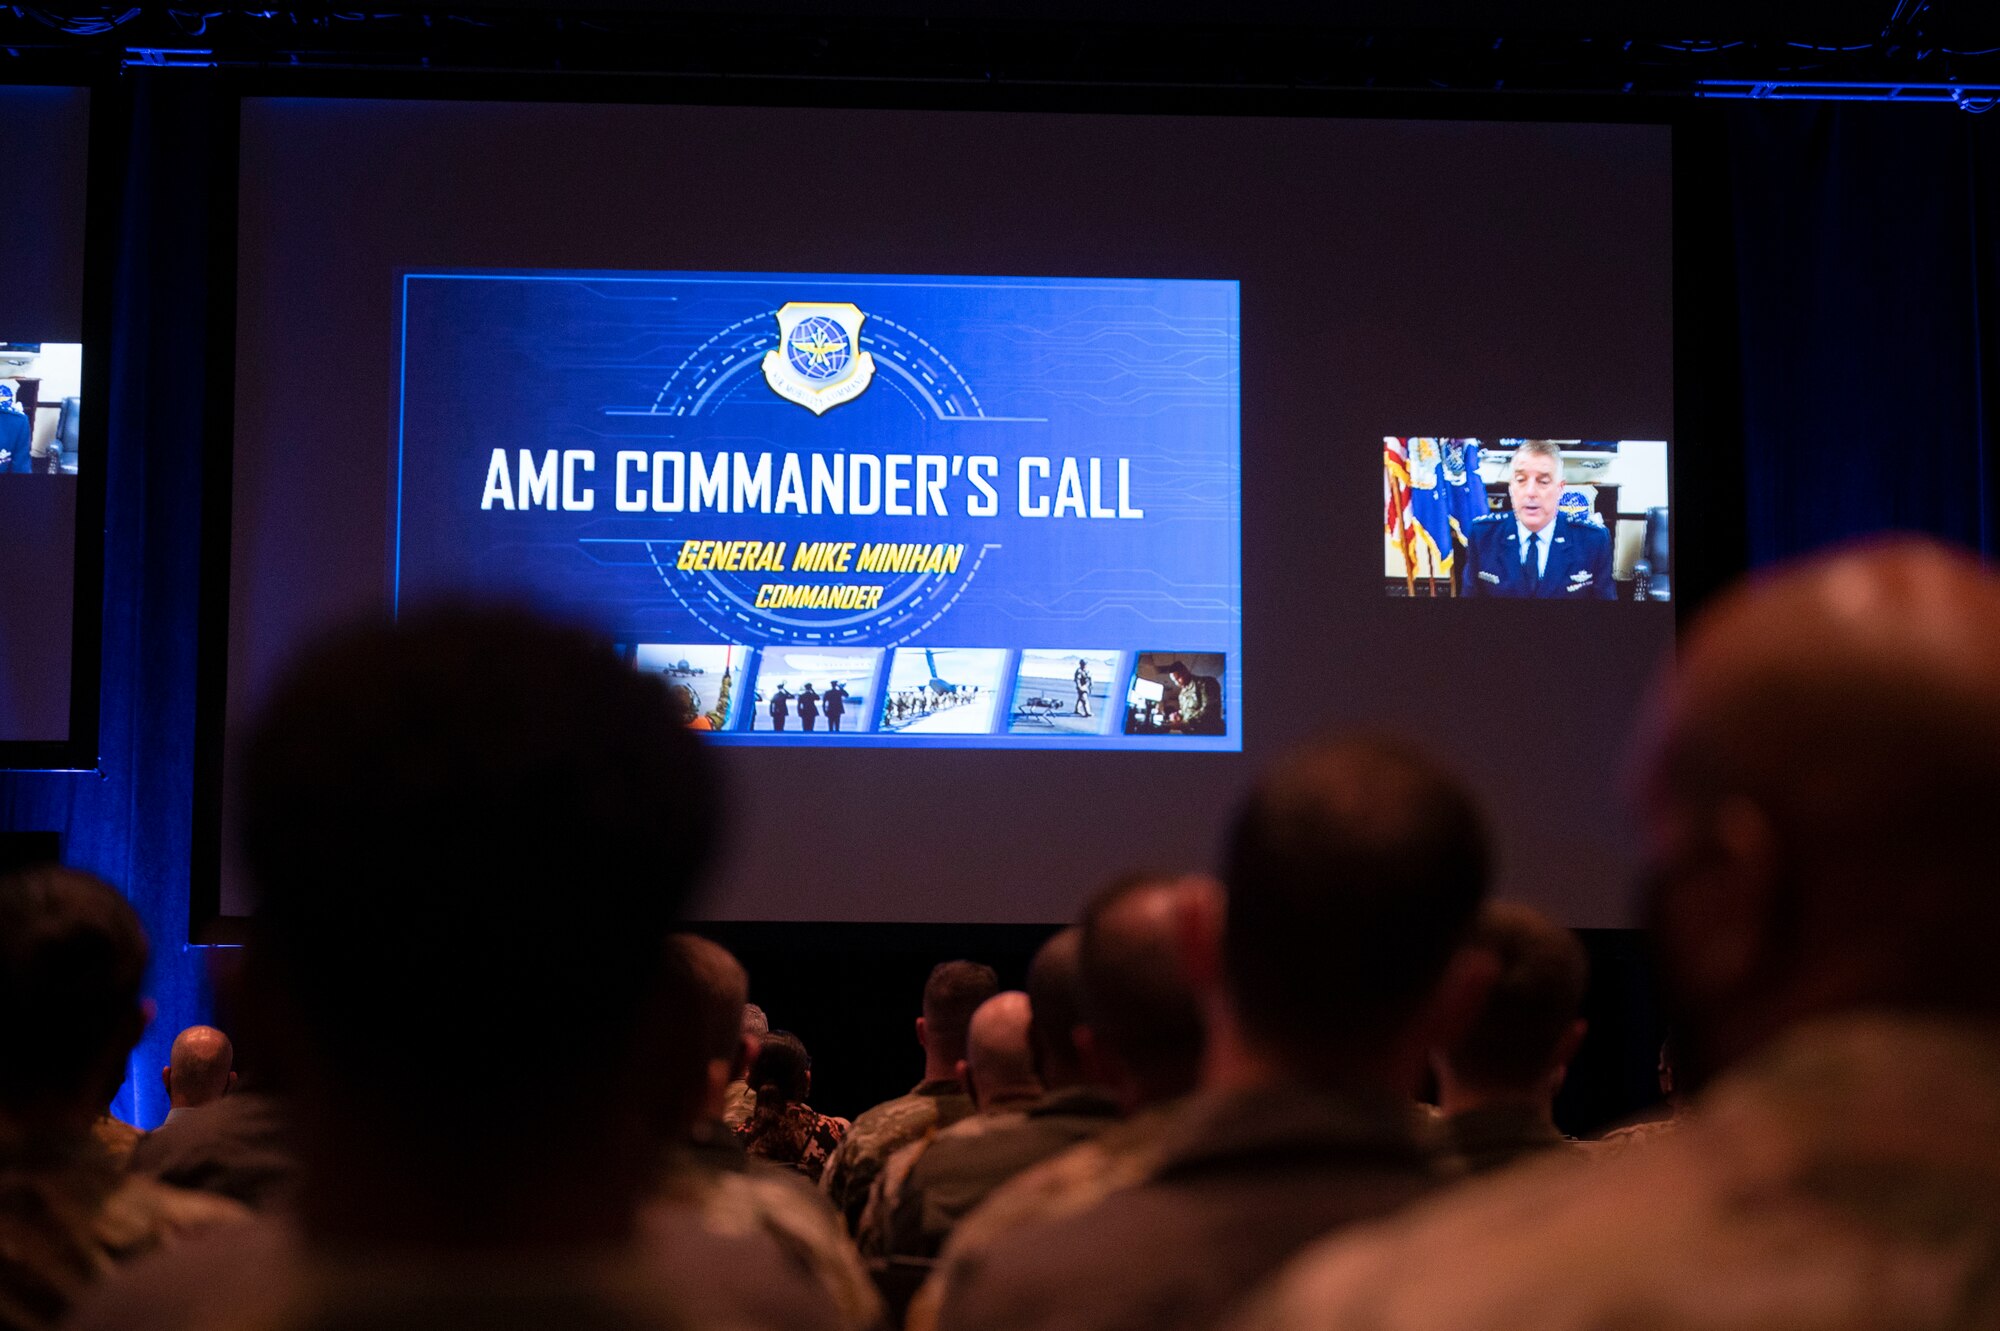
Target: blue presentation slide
(884,511)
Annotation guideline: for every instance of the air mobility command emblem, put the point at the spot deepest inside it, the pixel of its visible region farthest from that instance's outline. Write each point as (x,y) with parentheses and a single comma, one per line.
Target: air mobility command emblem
(819,363)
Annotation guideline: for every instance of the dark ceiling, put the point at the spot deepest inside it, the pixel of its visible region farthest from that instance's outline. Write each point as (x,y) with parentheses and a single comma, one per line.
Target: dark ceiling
(1645,47)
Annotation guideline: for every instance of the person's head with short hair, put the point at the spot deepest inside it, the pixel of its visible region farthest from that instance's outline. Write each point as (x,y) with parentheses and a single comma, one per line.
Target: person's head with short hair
(1529,1024)
(1179,673)
(707,985)
(1535,483)
(1055,993)
(999,1064)
(72,959)
(1141,1030)
(1352,878)
(470,831)
(199,1068)
(1815,786)
(952,994)
(781,1074)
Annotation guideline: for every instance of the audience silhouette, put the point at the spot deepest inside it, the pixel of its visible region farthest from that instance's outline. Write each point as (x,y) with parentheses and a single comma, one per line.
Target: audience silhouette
(1199,1113)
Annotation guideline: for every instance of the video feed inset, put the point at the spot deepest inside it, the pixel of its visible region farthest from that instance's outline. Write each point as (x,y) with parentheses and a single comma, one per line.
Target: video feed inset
(705,681)
(943,690)
(1521,519)
(811,692)
(41,394)
(1064,692)
(1177,693)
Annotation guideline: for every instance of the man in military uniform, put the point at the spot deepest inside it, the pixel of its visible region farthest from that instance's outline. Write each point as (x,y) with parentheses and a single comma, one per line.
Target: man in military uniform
(1352,877)
(371,778)
(999,1074)
(1815,808)
(1138,1037)
(1497,1082)
(72,956)
(952,994)
(953,1172)
(758,1244)
(1536,550)
(808,707)
(730,1244)
(219,1137)
(834,702)
(781,698)
(1199,699)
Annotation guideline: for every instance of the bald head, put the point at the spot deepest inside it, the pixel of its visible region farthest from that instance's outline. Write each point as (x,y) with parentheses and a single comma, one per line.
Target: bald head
(999,1063)
(1815,783)
(198,1067)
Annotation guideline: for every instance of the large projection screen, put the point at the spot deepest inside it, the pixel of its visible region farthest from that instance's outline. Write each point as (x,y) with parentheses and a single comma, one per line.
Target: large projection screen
(48,705)
(1292,425)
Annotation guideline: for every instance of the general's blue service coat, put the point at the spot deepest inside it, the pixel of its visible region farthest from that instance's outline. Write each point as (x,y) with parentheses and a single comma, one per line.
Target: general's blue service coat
(1579,564)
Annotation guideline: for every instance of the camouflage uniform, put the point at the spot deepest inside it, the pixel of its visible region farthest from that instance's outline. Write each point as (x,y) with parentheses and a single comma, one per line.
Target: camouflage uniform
(1248,1178)
(1119,1157)
(1847,1178)
(882,1131)
(739,1102)
(720,1244)
(1201,706)
(930,1185)
(68,1215)
(797,1135)
(264,1277)
(892,1186)
(780,1208)
(118,1138)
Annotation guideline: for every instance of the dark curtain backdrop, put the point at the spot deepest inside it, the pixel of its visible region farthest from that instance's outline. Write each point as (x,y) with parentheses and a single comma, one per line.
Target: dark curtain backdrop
(1847,346)
(1867,245)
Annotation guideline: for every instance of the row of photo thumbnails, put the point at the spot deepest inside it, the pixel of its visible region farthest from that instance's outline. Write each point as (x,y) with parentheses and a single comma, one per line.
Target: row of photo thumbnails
(832,691)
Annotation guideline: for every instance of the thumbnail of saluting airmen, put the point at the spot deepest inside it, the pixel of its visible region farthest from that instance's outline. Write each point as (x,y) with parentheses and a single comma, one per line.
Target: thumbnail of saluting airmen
(1536,550)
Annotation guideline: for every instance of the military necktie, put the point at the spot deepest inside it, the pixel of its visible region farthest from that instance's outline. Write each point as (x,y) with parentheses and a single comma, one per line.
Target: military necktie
(1534,562)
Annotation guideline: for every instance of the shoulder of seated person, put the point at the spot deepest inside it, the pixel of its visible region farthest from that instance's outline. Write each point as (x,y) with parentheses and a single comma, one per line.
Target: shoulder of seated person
(1504,1238)
(223,1273)
(143,1214)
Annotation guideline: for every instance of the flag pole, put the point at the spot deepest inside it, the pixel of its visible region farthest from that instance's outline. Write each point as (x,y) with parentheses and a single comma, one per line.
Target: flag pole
(1403,536)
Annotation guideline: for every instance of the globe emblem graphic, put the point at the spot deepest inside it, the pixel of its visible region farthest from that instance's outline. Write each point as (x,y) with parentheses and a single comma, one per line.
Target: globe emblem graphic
(818,348)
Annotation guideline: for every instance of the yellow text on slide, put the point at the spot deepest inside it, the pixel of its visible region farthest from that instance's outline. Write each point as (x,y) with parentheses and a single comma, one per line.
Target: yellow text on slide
(833,596)
(732,556)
